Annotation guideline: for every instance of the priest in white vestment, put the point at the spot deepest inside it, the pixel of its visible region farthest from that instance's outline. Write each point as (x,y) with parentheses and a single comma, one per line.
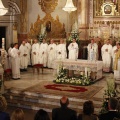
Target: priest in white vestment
(106,56)
(92,51)
(29,51)
(35,52)
(117,63)
(73,50)
(51,53)
(15,60)
(9,55)
(114,50)
(61,53)
(23,56)
(43,53)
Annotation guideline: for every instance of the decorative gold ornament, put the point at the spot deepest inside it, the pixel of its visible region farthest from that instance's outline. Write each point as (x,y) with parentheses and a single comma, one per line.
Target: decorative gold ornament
(53,28)
(48,6)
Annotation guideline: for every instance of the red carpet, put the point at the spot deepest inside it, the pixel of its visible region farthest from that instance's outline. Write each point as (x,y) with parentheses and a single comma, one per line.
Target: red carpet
(64,88)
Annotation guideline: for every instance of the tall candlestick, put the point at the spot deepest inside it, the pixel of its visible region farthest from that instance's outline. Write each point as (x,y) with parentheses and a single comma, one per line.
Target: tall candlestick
(3,43)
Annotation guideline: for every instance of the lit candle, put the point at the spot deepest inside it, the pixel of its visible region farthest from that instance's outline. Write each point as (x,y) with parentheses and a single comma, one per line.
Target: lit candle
(3,43)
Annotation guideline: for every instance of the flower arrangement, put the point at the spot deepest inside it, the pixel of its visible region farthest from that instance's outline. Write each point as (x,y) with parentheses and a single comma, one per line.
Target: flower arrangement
(74,35)
(63,79)
(109,92)
(42,36)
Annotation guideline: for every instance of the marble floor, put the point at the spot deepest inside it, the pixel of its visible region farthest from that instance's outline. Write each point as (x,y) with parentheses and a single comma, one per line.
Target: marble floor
(29,79)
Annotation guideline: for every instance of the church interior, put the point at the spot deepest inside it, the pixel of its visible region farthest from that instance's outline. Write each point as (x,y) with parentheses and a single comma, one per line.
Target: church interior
(40,86)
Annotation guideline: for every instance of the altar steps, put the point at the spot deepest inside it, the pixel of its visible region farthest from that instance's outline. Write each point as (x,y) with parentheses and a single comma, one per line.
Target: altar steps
(46,102)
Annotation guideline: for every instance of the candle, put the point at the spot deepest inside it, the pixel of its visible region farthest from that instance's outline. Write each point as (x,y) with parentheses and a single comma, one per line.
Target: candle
(86,71)
(31,41)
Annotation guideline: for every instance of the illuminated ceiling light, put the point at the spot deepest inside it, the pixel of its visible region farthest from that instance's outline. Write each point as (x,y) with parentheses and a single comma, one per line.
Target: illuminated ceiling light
(69,7)
(3,10)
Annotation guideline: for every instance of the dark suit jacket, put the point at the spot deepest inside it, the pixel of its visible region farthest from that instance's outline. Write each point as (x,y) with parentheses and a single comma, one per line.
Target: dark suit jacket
(64,114)
(87,117)
(109,115)
(4,116)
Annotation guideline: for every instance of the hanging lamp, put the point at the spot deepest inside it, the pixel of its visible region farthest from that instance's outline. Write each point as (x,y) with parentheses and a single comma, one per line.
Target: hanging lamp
(69,7)
(3,10)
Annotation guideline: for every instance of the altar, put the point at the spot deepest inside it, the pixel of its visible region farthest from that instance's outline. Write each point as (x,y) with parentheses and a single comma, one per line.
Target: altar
(84,66)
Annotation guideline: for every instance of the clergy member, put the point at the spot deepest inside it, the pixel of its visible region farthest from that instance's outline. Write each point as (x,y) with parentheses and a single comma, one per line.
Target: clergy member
(35,52)
(117,62)
(92,50)
(9,55)
(73,50)
(23,56)
(29,51)
(51,53)
(43,53)
(61,53)
(114,50)
(106,56)
(15,60)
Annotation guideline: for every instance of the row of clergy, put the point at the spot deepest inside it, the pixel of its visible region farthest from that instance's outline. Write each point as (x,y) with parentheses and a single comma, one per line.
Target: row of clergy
(45,54)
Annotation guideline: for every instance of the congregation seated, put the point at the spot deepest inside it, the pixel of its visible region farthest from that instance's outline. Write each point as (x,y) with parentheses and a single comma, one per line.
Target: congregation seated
(112,114)
(64,113)
(41,115)
(18,114)
(3,106)
(88,112)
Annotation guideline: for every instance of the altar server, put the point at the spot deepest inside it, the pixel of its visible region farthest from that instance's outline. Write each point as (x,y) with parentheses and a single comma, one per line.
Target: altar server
(15,60)
(23,56)
(92,50)
(106,56)
(35,52)
(43,53)
(73,50)
(117,62)
(51,53)
(61,50)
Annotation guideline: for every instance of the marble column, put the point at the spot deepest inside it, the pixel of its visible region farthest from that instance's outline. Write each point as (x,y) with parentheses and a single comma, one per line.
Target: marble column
(83,19)
(23,21)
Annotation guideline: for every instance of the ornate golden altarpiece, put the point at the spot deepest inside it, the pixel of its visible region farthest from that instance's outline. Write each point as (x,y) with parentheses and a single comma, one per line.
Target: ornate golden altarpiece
(53,27)
(57,28)
(106,19)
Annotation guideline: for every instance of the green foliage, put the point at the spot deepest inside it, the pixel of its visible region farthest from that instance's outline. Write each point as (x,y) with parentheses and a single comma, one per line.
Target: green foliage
(108,93)
(80,80)
(41,37)
(74,35)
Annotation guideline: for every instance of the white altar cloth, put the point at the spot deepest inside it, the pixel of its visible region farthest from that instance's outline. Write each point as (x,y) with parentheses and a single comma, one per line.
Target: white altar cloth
(80,65)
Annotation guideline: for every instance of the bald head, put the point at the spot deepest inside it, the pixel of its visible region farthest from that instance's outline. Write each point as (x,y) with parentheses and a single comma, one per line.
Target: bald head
(64,101)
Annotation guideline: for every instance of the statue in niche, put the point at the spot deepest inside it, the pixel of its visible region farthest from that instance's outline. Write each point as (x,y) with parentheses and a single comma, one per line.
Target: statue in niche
(48,26)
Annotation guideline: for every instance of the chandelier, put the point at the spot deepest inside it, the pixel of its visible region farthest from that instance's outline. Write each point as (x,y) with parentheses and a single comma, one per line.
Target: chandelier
(69,7)
(3,10)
